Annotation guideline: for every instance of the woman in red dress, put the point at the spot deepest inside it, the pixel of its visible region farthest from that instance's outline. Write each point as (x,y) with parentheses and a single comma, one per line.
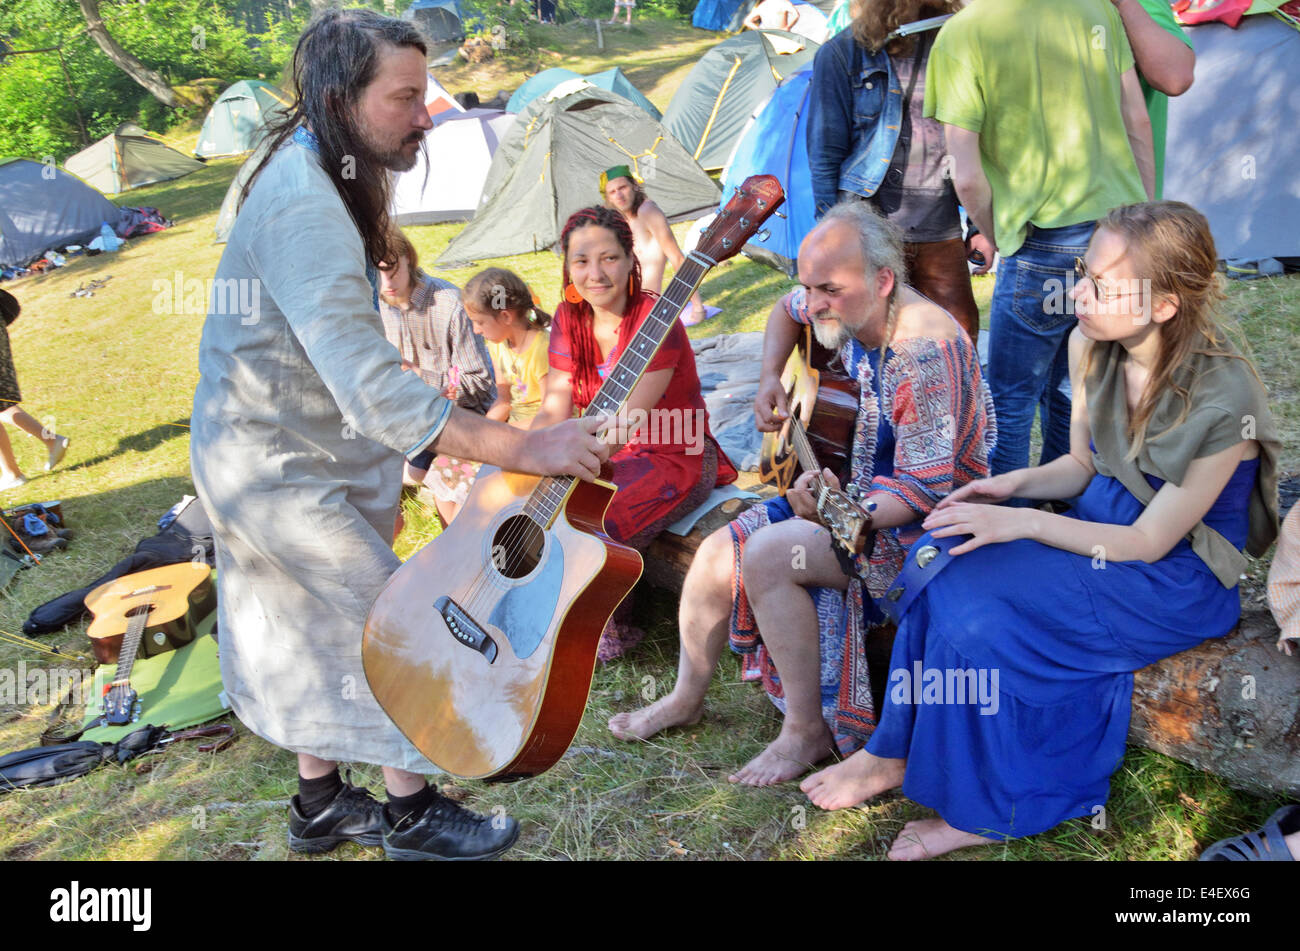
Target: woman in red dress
(669,461)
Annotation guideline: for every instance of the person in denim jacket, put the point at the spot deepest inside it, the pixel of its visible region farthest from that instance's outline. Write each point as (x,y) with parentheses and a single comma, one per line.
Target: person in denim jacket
(1047,131)
(867,140)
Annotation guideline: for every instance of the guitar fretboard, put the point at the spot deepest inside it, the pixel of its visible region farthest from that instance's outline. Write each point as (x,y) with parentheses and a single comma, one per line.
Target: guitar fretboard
(131,644)
(619,383)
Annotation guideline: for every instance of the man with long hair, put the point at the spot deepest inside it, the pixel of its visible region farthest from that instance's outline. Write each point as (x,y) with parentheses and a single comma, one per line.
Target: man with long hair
(655,245)
(301,418)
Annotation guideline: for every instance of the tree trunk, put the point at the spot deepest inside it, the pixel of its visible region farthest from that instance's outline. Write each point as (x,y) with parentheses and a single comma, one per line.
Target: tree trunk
(138,71)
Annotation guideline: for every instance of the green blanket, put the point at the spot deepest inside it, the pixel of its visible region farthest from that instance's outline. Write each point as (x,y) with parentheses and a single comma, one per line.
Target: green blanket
(178,689)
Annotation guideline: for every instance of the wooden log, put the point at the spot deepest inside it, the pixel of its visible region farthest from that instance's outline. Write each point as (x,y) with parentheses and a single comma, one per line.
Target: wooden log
(1230,706)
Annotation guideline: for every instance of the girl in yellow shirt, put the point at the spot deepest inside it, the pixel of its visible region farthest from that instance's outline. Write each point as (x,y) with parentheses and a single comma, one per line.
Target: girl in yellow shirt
(504,311)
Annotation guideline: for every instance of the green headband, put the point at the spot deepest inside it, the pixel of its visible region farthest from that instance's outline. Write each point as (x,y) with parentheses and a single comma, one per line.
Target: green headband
(618,171)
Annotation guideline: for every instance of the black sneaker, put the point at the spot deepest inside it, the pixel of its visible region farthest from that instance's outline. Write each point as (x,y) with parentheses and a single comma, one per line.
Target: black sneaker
(354,815)
(448,831)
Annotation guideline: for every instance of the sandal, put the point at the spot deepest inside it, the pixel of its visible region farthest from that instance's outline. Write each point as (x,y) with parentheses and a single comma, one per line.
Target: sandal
(1265,844)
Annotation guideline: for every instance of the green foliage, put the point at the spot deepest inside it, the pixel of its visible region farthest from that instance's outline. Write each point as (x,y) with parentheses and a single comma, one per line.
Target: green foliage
(182,40)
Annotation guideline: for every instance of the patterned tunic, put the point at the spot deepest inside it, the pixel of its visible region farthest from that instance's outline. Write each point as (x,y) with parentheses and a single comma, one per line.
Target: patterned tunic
(925,427)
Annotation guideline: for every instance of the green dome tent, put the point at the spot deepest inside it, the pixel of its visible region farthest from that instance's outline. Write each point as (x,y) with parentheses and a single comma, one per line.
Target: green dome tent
(127,158)
(548,166)
(712,107)
(43,207)
(236,121)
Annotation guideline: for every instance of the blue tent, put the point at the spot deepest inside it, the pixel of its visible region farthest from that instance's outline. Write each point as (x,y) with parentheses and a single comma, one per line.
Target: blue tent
(611,80)
(721,14)
(441,21)
(539,84)
(775,143)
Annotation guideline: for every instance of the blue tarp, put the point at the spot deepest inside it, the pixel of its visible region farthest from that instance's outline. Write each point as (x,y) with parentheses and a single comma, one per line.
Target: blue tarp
(720,14)
(774,143)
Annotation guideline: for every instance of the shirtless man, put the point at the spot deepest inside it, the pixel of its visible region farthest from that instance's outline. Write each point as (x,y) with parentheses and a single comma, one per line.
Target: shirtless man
(772,15)
(850,266)
(653,240)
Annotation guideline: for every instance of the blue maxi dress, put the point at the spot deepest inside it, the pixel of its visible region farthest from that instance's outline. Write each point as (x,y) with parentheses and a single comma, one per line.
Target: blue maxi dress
(1064,635)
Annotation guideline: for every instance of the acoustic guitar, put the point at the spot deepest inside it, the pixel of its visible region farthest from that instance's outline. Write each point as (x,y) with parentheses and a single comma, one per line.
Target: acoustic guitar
(824,397)
(147,613)
(482,646)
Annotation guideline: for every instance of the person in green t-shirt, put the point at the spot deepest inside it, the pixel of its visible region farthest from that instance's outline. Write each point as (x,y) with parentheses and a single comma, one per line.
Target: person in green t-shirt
(1046,131)
(1165,62)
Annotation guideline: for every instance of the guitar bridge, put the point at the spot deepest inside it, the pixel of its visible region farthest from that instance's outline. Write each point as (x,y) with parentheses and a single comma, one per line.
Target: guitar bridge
(465,629)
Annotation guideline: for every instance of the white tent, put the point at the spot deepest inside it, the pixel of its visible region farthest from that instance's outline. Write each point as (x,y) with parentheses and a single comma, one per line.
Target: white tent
(460,148)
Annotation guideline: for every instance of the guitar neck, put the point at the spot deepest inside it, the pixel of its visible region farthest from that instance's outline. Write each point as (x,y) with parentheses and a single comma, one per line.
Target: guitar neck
(621,380)
(131,644)
(803,448)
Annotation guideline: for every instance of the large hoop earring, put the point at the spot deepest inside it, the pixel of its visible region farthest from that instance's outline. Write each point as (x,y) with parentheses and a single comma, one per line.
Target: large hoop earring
(571,294)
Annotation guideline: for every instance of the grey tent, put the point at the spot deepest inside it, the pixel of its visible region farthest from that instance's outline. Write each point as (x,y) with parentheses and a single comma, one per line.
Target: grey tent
(1234,136)
(128,158)
(441,21)
(43,207)
(548,166)
(713,105)
(237,121)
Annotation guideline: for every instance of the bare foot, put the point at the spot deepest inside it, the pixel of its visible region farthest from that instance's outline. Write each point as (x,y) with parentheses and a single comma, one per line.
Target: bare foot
(787,757)
(855,780)
(926,838)
(660,715)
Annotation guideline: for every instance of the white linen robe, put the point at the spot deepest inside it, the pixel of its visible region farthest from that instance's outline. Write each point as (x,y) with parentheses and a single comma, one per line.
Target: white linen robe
(301,418)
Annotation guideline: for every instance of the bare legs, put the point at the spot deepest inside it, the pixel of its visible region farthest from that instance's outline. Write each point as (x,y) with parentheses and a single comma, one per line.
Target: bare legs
(779,560)
(702,620)
(16,416)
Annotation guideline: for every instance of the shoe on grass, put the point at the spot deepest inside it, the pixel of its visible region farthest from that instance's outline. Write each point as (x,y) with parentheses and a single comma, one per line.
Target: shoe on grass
(13,482)
(448,831)
(354,815)
(57,451)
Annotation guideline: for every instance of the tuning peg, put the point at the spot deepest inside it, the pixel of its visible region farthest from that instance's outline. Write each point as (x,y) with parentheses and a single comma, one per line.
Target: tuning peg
(779,214)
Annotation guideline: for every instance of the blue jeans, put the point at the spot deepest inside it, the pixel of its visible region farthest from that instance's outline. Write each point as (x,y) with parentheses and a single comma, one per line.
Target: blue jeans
(1029,324)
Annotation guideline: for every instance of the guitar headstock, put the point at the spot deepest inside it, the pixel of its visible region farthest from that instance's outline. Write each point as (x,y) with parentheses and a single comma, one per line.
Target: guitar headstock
(121,704)
(843,518)
(752,204)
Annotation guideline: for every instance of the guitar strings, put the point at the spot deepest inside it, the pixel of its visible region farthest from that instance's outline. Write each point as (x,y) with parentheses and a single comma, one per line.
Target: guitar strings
(683,285)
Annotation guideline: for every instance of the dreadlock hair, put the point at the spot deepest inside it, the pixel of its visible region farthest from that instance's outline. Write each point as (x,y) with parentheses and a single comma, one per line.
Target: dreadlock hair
(586,354)
(876,19)
(497,289)
(336,58)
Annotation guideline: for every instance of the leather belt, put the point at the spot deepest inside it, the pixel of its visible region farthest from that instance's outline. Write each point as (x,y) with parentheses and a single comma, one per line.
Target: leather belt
(926,559)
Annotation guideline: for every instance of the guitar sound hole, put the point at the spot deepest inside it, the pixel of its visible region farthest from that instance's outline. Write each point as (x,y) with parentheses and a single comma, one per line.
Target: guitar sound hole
(517,546)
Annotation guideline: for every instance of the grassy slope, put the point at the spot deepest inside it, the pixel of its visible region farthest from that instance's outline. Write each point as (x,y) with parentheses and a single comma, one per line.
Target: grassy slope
(118,377)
